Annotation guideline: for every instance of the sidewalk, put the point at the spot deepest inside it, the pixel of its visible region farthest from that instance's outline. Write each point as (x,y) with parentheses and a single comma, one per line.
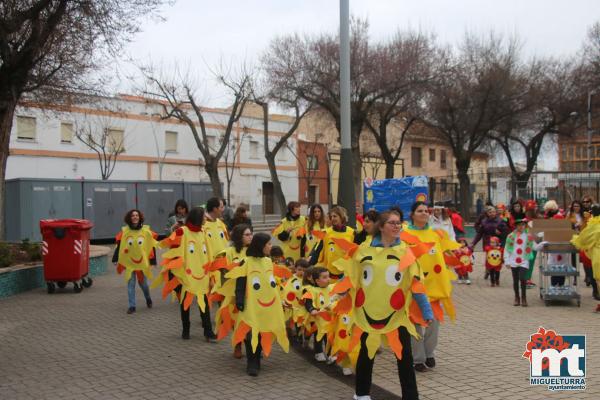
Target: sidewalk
(84,346)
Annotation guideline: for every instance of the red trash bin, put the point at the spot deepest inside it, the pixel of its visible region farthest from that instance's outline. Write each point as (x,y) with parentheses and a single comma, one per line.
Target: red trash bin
(66,252)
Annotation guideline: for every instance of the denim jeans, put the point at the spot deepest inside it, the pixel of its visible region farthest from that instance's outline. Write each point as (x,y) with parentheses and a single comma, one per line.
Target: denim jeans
(131,289)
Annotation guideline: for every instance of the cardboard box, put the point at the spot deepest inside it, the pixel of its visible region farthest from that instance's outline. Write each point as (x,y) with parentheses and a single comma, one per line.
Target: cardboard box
(554,230)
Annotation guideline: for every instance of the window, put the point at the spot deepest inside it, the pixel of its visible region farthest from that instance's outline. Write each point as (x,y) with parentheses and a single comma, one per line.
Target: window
(253,149)
(66,132)
(116,140)
(312,163)
(170,141)
(416,157)
(431,154)
(25,128)
(443,159)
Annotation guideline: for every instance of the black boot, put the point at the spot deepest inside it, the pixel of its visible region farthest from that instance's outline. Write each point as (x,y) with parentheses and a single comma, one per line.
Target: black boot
(185,333)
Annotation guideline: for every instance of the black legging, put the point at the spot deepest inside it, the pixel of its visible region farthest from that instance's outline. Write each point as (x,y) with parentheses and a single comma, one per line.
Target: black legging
(519,274)
(204,316)
(406,372)
(252,358)
(494,276)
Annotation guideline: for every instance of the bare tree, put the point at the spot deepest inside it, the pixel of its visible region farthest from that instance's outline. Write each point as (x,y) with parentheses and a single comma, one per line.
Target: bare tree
(230,160)
(308,67)
(48,48)
(108,142)
(177,98)
(473,94)
(553,105)
(300,110)
(408,58)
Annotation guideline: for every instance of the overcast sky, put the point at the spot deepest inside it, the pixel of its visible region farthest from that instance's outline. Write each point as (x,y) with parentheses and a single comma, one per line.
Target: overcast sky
(200,32)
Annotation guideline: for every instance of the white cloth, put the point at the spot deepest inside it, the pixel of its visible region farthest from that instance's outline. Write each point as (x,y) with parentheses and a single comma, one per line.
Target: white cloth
(445,224)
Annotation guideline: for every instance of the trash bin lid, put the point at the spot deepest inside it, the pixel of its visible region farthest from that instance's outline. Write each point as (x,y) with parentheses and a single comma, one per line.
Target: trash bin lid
(81,224)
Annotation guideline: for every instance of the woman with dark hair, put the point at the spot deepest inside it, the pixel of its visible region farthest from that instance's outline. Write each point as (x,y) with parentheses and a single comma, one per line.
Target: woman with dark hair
(177,216)
(240,217)
(291,232)
(575,215)
(369,227)
(135,254)
(437,280)
(515,212)
(315,222)
(258,301)
(491,225)
(185,262)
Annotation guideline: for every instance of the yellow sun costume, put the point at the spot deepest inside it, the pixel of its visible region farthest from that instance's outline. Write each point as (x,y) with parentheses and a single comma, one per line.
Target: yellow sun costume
(438,276)
(188,259)
(291,246)
(331,251)
(263,310)
(217,240)
(588,240)
(380,282)
(292,296)
(339,338)
(312,240)
(321,300)
(136,248)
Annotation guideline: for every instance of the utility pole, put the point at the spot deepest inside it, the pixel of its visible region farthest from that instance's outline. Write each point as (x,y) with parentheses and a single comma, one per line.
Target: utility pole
(346,182)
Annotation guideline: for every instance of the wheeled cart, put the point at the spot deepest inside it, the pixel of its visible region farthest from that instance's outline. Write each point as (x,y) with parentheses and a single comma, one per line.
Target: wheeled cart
(559,269)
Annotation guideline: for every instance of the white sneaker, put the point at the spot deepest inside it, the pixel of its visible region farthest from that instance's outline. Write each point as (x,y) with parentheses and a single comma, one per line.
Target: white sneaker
(347,371)
(361,397)
(331,360)
(320,357)
(468,281)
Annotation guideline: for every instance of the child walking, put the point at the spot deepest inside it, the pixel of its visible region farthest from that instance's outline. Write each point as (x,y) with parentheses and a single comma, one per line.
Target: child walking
(520,246)
(465,258)
(494,257)
(317,302)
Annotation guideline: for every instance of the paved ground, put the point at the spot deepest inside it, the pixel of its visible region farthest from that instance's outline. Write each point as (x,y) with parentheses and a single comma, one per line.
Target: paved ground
(84,346)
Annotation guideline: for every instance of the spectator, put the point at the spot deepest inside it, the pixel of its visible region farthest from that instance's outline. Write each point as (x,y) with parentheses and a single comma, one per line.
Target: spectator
(575,215)
(457,222)
(228,214)
(491,225)
(515,212)
(439,219)
(177,216)
(240,217)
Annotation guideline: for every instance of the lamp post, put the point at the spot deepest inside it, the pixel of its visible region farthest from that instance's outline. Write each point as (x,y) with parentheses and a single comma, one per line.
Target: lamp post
(346,182)
(589,130)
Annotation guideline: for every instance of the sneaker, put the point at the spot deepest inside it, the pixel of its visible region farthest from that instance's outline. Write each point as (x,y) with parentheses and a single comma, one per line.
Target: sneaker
(347,371)
(523,302)
(130,310)
(210,337)
(468,281)
(320,357)
(149,303)
(420,367)
(430,362)
(366,397)
(331,360)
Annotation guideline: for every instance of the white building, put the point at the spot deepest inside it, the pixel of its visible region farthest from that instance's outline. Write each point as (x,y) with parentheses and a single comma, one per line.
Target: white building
(43,144)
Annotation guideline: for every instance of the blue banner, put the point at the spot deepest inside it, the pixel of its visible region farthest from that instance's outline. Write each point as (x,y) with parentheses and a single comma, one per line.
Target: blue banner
(402,192)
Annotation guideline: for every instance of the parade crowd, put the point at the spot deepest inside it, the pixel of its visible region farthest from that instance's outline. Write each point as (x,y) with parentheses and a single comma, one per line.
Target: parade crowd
(344,291)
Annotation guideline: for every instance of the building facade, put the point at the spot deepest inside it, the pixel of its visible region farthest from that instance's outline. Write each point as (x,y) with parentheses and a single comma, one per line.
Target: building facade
(44,143)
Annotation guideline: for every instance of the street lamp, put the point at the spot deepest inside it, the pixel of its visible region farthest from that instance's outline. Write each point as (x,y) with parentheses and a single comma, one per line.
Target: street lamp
(589,130)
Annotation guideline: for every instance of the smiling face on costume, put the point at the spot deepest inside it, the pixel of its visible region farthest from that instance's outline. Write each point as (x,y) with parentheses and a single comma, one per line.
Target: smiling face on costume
(292,291)
(195,257)
(381,290)
(134,248)
(494,257)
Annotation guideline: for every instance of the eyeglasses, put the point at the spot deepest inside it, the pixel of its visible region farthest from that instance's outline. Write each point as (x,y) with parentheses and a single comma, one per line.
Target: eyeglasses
(395,223)
(586,201)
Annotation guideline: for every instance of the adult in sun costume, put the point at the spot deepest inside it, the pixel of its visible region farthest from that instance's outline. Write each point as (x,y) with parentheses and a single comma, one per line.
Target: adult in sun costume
(328,251)
(588,240)
(135,254)
(185,270)
(437,282)
(291,232)
(314,222)
(382,280)
(259,320)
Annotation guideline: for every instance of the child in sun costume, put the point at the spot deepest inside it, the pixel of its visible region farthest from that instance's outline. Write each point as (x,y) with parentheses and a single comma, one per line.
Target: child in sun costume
(291,232)
(135,254)
(328,251)
(588,240)
(259,318)
(292,297)
(381,280)
(494,259)
(317,302)
(185,271)
(465,259)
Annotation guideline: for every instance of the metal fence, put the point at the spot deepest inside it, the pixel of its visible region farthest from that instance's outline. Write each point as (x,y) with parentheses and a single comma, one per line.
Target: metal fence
(501,187)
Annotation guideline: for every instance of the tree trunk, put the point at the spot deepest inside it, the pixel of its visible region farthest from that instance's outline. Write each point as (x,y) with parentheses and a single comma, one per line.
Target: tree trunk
(6,120)
(212,169)
(279,196)
(465,195)
(390,165)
